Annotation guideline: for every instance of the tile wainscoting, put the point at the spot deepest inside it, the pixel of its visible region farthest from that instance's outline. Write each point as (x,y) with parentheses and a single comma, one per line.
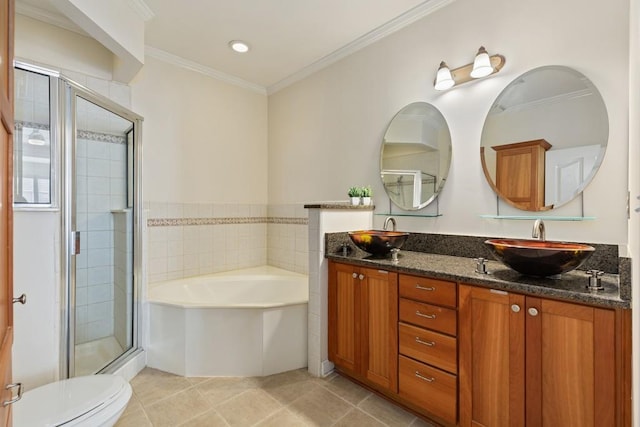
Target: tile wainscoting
(201,238)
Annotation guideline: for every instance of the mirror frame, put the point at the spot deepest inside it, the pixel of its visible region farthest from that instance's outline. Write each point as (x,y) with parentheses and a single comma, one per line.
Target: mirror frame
(588,177)
(440,182)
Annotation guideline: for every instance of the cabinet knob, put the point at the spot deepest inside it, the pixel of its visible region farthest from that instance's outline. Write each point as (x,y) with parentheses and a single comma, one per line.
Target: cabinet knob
(361,277)
(22,299)
(515,308)
(355,275)
(533,311)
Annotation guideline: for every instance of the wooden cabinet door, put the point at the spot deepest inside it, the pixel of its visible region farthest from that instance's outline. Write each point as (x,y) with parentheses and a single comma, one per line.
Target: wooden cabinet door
(491,357)
(344,317)
(520,173)
(6,200)
(380,327)
(363,324)
(571,367)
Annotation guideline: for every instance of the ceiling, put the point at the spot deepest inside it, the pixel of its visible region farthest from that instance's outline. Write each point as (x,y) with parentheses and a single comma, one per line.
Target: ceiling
(289,39)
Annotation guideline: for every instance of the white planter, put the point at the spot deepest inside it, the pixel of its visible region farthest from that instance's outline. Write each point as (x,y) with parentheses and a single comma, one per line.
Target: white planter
(366,201)
(355,201)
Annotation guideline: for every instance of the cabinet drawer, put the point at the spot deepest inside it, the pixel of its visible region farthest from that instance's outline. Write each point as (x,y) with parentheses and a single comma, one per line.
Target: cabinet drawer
(428,316)
(430,388)
(428,290)
(429,347)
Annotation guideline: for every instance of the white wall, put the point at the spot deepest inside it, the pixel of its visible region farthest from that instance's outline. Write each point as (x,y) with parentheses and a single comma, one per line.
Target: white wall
(204,140)
(326,130)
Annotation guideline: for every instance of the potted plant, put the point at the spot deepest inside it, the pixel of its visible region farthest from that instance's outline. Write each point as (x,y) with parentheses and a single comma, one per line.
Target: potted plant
(366,194)
(354,193)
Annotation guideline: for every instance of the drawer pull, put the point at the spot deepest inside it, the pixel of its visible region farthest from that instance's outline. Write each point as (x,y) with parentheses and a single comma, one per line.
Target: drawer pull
(428,316)
(422,377)
(429,343)
(424,288)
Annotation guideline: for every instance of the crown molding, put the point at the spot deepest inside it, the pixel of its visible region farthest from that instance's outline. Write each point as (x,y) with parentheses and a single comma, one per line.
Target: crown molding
(407,18)
(48,17)
(142,9)
(199,68)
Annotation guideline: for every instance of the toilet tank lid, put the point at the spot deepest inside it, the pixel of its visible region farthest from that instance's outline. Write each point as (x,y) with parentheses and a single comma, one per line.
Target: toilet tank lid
(60,402)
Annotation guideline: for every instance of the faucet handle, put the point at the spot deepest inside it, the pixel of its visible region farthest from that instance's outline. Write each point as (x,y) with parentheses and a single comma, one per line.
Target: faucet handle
(595,281)
(481,267)
(394,255)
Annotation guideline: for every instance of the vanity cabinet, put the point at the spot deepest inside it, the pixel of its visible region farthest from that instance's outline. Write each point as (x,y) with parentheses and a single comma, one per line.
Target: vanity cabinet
(538,362)
(363,324)
(428,361)
(520,173)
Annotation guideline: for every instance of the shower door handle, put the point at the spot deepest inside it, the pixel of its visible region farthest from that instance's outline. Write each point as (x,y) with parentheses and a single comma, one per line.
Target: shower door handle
(75,242)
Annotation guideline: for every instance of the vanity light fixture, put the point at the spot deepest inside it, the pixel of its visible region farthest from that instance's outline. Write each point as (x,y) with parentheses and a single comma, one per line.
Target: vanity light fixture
(239,46)
(483,66)
(444,79)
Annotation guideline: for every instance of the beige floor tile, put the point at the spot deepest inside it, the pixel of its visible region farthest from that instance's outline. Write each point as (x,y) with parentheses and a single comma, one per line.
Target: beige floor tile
(152,385)
(320,407)
(136,418)
(133,405)
(285,378)
(347,389)
(385,411)
(221,389)
(248,408)
(419,422)
(177,409)
(286,394)
(357,418)
(283,418)
(208,419)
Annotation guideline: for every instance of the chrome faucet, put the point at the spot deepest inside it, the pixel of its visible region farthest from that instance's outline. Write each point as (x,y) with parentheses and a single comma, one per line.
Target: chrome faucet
(388,220)
(538,230)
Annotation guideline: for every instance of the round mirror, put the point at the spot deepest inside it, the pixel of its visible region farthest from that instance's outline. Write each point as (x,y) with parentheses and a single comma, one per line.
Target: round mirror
(415,156)
(544,138)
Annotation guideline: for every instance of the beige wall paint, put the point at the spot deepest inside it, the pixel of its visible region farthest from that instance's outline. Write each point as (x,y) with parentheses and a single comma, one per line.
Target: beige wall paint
(325,131)
(56,47)
(204,140)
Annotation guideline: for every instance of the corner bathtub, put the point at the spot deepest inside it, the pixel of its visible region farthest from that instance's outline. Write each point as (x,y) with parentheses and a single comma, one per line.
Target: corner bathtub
(250,322)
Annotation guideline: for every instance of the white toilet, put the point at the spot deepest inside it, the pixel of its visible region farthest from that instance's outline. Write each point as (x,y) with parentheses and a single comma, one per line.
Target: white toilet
(94,400)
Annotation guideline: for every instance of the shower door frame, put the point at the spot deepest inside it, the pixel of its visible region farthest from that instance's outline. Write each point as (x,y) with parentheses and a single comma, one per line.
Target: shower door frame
(69,91)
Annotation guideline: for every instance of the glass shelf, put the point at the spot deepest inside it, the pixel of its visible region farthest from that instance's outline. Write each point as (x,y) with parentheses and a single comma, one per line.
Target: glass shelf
(545,218)
(423,215)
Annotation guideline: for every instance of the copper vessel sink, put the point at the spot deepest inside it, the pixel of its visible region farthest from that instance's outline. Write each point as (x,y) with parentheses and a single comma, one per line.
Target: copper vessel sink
(378,242)
(539,258)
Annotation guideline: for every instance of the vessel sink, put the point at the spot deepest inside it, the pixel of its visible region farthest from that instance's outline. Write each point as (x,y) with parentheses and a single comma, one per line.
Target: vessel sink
(378,242)
(539,258)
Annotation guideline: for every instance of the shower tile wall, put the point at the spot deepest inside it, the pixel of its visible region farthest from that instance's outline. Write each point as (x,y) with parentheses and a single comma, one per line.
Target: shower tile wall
(100,189)
(200,238)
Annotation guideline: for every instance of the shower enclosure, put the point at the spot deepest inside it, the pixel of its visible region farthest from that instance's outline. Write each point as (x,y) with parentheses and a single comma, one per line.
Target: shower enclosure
(78,153)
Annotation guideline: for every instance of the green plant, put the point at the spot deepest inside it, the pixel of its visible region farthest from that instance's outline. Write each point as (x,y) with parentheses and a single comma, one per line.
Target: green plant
(354,192)
(366,191)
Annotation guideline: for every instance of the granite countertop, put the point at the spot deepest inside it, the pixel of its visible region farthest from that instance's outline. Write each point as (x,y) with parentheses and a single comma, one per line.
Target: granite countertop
(570,287)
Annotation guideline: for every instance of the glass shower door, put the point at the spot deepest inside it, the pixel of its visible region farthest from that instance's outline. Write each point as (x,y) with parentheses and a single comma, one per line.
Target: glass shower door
(102,218)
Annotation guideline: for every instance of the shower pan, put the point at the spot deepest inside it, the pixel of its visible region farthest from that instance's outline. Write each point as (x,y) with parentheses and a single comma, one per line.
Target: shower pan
(83,158)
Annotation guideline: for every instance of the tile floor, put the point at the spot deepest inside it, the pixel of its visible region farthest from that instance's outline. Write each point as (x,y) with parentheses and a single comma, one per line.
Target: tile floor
(289,399)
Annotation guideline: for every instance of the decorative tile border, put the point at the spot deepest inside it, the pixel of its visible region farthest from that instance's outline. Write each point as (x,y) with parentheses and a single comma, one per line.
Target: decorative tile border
(84,134)
(102,137)
(173,222)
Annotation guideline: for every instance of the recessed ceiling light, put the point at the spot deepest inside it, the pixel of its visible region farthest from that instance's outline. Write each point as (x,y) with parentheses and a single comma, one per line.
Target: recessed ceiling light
(239,46)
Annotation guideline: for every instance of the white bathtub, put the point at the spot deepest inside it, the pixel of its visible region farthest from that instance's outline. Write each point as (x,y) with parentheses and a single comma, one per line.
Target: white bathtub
(250,322)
